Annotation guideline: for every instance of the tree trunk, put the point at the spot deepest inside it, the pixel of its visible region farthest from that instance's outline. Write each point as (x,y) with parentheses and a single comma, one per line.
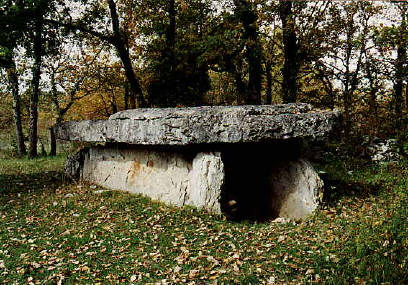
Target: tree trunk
(121,46)
(171,31)
(400,70)
(53,142)
(406,97)
(350,80)
(398,86)
(53,138)
(126,97)
(43,152)
(13,81)
(113,103)
(346,92)
(347,100)
(171,54)
(60,114)
(241,89)
(290,50)
(328,86)
(35,89)
(268,84)
(136,90)
(330,94)
(347,113)
(253,53)
(132,100)
(373,93)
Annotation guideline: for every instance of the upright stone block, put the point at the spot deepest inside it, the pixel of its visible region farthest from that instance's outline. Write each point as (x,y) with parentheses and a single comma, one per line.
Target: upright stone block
(207,181)
(166,176)
(296,189)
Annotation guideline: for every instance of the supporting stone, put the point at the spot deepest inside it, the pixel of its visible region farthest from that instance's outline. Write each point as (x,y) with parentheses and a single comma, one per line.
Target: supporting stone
(75,164)
(296,189)
(258,184)
(265,182)
(169,176)
(207,181)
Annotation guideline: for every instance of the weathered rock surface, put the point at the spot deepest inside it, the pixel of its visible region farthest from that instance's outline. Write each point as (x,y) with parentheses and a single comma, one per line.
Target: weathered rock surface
(243,161)
(285,188)
(75,164)
(204,125)
(206,182)
(384,150)
(296,189)
(164,176)
(268,182)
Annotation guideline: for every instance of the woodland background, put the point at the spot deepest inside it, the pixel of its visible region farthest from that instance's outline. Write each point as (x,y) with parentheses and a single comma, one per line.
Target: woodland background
(72,60)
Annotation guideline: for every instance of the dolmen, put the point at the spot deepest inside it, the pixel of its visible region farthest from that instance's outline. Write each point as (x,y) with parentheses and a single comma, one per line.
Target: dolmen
(243,161)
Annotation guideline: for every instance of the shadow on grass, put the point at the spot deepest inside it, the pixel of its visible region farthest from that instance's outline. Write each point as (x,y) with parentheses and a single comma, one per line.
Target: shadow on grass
(27,183)
(338,189)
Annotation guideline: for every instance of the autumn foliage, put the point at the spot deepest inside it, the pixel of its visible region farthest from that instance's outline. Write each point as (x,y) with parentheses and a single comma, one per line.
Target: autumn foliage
(101,57)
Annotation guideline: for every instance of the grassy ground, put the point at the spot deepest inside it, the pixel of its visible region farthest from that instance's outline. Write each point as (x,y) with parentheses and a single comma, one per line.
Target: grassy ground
(53,231)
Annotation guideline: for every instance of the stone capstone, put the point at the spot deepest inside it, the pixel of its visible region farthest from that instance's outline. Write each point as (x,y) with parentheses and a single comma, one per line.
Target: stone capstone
(204,125)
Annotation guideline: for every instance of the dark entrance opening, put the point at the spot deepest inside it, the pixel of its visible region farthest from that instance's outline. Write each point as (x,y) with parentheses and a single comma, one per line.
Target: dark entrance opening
(249,169)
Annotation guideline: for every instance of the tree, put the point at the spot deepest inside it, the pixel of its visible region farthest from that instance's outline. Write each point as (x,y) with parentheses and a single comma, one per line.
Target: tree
(119,41)
(118,37)
(290,45)
(13,79)
(272,53)
(345,58)
(400,64)
(178,72)
(234,46)
(11,33)
(36,72)
(37,43)
(253,51)
(71,73)
(224,53)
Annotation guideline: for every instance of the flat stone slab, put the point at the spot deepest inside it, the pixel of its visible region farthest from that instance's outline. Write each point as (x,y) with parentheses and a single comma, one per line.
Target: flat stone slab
(204,125)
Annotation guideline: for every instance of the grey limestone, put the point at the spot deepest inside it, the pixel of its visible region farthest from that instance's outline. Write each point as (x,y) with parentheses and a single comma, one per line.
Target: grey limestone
(204,125)
(215,158)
